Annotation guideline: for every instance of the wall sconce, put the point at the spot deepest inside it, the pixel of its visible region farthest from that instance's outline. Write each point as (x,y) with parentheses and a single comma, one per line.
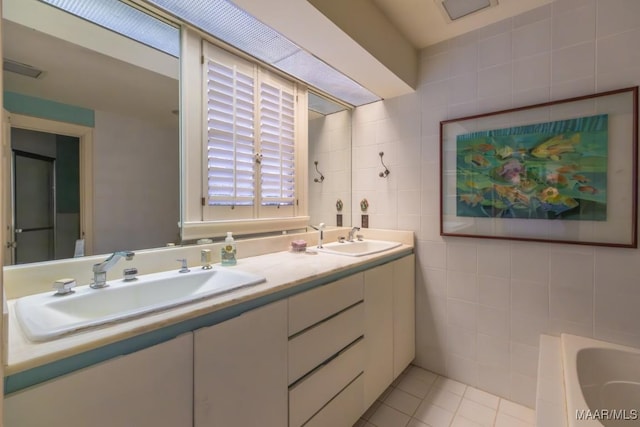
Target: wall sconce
(318,180)
(386,171)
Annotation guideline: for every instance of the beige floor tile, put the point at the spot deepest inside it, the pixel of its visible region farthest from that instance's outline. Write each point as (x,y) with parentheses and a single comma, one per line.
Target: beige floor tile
(433,415)
(482,397)
(402,401)
(450,385)
(518,411)
(460,421)
(369,412)
(444,399)
(421,398)
(421,374)
(386,416)
(476,412)
(416,423)
(414,386)
(504,420)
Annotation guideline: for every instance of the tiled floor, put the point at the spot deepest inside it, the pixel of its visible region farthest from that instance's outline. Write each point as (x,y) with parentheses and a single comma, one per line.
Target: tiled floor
(419,398)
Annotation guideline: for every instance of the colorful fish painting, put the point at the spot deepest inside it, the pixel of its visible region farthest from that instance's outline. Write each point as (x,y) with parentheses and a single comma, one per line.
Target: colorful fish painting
(553,170)
(556,146)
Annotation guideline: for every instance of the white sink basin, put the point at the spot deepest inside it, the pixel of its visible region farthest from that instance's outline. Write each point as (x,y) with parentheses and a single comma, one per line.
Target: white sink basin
(44,316)
(358,248)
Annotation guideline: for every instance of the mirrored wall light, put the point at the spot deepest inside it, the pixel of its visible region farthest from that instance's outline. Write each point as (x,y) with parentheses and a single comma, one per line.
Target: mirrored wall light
(126,20)
(227,22)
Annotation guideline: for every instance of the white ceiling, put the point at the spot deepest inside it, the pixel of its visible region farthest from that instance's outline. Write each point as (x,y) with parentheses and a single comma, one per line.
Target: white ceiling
(423,22)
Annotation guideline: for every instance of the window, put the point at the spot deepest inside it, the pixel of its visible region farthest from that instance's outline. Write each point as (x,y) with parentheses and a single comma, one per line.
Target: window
(250,120)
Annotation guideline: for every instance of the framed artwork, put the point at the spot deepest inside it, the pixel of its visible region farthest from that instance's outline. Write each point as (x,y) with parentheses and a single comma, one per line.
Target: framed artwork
(562,171)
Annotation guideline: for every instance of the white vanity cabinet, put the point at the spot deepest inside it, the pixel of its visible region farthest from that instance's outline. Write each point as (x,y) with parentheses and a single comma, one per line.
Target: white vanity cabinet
(389,296)
(404,313)
(326,353)
(149,388)
(240,370)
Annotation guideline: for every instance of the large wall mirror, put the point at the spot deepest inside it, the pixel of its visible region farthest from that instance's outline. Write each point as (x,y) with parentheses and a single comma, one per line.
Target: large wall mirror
(94,135)
(329,162)
(99,125)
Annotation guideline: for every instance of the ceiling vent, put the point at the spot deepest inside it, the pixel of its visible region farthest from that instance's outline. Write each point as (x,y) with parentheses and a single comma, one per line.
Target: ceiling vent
(456,9)
(22,69)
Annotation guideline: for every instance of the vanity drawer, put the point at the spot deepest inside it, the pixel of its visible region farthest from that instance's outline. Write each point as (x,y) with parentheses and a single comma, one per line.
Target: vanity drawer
(311,307)
(344,409)
(312,347)
(312,393)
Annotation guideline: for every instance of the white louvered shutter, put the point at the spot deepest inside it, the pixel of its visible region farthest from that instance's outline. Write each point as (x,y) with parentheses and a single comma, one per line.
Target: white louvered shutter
(230,131)
(277,145)
(250,134)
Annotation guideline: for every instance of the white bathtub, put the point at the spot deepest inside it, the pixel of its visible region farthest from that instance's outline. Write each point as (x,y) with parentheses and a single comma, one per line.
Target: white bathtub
(601,382)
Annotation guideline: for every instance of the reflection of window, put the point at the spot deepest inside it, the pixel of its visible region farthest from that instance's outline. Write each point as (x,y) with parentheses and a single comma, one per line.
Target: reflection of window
(250,117)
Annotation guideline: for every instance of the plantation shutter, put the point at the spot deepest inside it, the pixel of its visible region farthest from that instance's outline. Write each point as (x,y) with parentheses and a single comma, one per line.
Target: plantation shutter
(250,140)
(277,142)
(230,132)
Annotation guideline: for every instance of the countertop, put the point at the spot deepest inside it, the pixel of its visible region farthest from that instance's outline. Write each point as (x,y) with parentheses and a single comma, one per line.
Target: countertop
(283,270)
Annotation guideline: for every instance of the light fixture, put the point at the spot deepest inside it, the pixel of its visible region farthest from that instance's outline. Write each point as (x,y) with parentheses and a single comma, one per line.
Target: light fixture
(126,20)
(456,9)
(20,68)
(227,22)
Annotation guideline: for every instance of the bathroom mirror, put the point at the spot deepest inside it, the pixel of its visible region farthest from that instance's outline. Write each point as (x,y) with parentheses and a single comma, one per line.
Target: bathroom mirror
(134,179)
(329,162)
(127,95)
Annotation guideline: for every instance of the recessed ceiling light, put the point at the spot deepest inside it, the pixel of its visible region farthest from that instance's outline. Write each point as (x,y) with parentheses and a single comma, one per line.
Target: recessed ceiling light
(456,9)
(20,68)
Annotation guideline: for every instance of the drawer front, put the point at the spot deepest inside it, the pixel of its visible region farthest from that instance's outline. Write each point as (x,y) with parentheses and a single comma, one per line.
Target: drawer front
(313,392)
(344,410)
(315,305)
(313,346)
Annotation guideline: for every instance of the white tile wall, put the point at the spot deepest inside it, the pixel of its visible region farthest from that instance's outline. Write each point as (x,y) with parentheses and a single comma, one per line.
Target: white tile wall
(481,305)
(330,145)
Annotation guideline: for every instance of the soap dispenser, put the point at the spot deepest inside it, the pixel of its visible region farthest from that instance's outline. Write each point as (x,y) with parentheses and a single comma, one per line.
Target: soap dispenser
(228,251)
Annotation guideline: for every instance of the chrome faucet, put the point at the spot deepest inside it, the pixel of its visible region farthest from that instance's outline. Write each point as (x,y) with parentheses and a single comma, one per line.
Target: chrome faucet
(100,269)
(351,233)
(320,229)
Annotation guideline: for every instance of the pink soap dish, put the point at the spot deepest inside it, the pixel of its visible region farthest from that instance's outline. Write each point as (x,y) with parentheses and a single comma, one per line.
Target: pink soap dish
(298,246)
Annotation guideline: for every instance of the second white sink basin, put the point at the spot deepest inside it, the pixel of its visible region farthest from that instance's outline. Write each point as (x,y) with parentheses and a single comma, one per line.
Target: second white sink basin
(45,316)
(358,248)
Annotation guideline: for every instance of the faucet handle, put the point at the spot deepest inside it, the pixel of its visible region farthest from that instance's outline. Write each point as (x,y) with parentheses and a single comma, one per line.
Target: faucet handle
(130,274)
(205,259)
(183,268)
(64,286)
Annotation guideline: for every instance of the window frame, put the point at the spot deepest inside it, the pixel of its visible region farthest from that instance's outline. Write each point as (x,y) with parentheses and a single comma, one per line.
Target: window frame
(207,221)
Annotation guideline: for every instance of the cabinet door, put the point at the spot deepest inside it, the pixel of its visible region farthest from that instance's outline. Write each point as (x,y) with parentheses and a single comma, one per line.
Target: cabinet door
(404,313)
(240,370)
(378,333)
(150,388)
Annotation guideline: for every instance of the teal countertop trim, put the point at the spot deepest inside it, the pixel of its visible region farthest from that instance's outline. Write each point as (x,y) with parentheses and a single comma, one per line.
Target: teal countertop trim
(31,377)
(47,109)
